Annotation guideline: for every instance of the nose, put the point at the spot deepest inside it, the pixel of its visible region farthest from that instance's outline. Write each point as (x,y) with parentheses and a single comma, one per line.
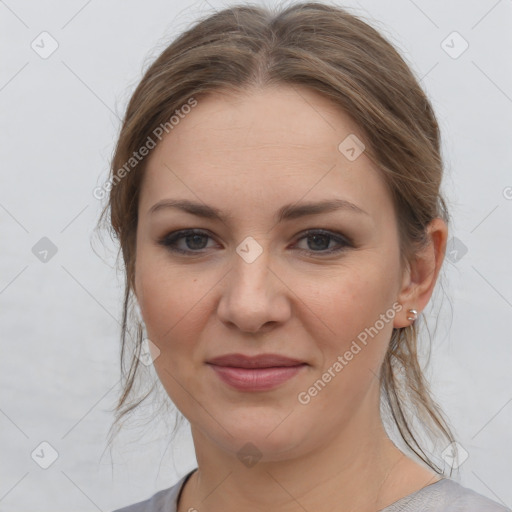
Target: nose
(254,297)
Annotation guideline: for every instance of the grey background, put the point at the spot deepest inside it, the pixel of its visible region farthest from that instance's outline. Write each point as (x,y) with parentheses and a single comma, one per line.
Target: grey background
(60,318)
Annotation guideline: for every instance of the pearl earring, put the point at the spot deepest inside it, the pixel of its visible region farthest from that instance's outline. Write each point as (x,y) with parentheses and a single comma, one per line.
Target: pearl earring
(414,314)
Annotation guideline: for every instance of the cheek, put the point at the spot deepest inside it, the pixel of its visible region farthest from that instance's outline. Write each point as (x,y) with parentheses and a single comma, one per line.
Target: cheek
(352,298)
(356,305)
(167,297)
(170,305)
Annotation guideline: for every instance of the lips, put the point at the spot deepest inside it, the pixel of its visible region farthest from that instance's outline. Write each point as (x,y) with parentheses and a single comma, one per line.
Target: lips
(255,373)
(259,361)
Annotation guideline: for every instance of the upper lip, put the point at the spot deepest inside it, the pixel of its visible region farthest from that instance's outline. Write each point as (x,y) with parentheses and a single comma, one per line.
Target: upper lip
(259,361)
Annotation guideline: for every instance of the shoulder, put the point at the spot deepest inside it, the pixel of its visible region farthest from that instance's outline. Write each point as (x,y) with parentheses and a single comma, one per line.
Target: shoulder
(157,503)
(163,501)
(460,498)
(446,495)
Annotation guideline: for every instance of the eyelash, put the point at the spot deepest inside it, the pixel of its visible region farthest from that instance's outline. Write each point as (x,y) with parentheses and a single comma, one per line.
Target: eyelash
(169,241)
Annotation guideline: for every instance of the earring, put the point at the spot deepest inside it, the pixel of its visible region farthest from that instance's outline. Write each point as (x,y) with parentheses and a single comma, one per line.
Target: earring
(414,314)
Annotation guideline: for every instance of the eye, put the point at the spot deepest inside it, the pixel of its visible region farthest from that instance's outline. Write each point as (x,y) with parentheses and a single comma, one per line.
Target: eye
(321,239)
(195,241)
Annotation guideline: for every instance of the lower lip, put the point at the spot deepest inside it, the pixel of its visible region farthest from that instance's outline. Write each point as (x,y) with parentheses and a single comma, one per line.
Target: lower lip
(257,379)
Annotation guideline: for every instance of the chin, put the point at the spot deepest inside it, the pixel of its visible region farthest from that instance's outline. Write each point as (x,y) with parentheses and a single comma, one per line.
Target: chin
(271,437)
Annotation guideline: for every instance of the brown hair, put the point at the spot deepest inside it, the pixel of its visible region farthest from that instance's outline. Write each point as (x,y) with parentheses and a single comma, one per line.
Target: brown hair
(336,54)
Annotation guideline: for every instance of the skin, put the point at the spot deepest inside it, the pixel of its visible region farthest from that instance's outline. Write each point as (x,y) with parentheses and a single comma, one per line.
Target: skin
(248,155)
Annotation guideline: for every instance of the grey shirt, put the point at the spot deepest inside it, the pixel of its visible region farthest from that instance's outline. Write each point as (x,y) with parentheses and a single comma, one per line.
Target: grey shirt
(446,495)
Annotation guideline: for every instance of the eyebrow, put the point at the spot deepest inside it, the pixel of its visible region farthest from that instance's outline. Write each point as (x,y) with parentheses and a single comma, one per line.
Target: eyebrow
(287,212)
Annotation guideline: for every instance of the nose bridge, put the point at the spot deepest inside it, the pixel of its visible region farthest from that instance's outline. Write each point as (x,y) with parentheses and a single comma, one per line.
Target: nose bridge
(250,266)
(251,297)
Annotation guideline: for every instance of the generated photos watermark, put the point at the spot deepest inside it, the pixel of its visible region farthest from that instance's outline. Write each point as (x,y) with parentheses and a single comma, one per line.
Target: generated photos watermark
(158,133)
(304,397)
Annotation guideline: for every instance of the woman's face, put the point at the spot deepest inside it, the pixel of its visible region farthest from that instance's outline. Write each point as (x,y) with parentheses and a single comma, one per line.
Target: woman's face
(254,283)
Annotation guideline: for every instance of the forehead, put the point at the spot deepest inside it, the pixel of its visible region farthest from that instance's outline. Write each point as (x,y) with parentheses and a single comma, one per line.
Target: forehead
(274,144)
(265,121)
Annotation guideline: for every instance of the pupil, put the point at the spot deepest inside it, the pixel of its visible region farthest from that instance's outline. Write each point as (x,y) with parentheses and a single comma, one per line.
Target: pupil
(195,237)
(315,238)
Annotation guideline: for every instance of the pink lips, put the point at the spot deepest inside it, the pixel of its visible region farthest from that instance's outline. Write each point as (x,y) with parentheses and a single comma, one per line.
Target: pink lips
(256,373)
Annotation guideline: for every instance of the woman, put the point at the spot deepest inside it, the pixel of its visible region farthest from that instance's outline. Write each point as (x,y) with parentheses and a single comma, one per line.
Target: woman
(276,194)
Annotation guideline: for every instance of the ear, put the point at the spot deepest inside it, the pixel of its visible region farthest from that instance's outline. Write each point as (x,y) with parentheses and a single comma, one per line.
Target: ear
(420,277)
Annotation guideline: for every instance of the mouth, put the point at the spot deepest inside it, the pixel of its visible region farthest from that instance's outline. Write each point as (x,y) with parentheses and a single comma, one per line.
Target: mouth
(256,373)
